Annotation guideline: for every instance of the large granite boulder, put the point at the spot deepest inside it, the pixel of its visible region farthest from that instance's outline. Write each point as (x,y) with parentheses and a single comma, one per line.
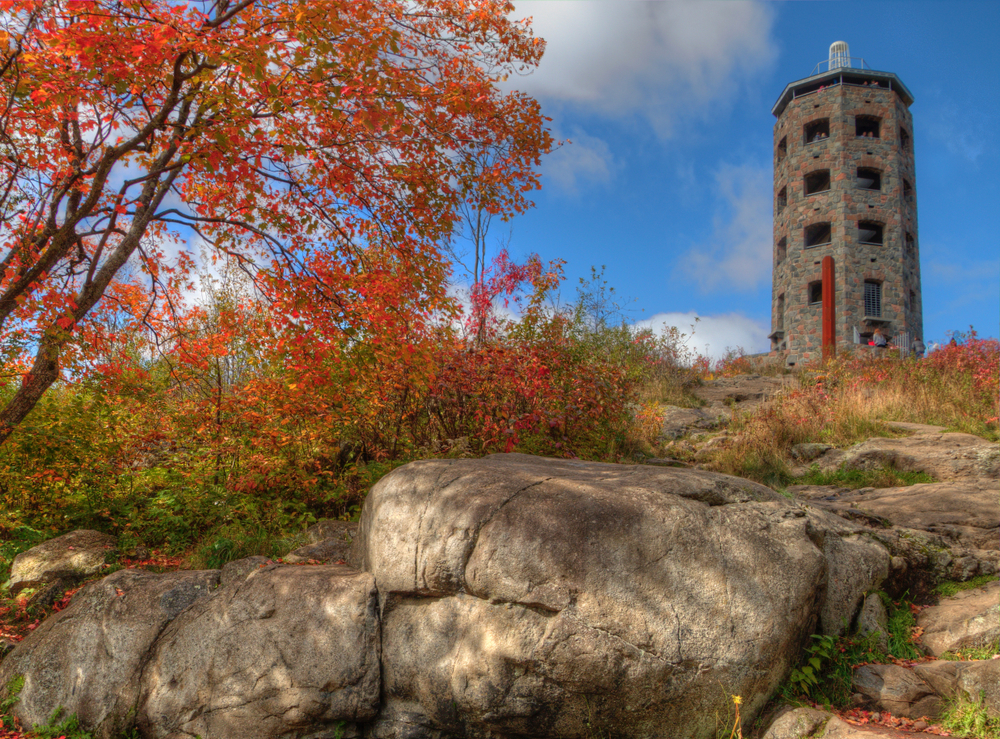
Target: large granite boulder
(75,555)
(546,598)
(286,652)
(81,658)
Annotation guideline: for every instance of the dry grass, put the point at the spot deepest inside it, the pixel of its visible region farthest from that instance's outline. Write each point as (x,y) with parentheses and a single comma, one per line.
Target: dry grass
(852,400)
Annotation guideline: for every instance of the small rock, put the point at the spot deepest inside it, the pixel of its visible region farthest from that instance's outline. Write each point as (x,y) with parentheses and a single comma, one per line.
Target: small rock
(970,618)
(77,554)
(874,619)
(919,725)
(809,452)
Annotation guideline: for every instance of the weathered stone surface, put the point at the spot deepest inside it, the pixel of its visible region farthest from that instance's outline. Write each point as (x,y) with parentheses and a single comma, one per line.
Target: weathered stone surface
(970,618)
(329,551)
(857,565)
(965,511)
(77,554)
(82,658)
(329,528)
(798,723)
(287,652)
(974,680)
(555,598)
(981,680)
(238,570)
(874,619)
(897,690)
(944,456)
(678,422)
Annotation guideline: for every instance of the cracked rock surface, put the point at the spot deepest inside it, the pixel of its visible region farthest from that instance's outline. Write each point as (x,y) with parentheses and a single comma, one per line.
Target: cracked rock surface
(285,653)
(83,657)
(552,598)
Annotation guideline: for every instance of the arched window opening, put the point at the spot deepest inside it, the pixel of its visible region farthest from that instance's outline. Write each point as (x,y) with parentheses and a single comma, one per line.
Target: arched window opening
(782,148)
(904,139)
(782,199)
(779,319)
(867,126)
(869,179)
(817,234)
(907,191)
(817,130)
(817,182)
(870,232)
(909,244)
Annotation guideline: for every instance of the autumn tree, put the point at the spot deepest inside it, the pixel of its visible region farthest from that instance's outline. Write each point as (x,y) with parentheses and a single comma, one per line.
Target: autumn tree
(324,146)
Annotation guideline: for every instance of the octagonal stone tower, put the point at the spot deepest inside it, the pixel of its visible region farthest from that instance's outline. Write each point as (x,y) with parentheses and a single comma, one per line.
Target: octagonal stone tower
(846,253)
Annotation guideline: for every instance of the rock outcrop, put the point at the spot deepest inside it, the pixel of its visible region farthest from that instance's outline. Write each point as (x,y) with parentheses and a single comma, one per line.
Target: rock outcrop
(82,658)
(75,555)
(535,597)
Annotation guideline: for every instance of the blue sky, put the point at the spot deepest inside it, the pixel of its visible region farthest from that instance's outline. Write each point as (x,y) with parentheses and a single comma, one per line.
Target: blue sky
(668,181)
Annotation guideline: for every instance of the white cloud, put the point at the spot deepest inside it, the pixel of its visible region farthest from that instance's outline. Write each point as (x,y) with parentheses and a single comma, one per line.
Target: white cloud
(662,60)
(582,159)
(738,252)
(711,336)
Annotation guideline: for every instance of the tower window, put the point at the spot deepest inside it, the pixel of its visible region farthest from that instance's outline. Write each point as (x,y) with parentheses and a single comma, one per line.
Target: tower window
(782,148)
(782,199)
(815,292)
(782,250)
(817,130)
(904,139)
(869,232)
(779,319)
(817,181)
(910,244)
(867,126)
(913,300)
(869,179)
(873,299)
(817,234)
(907,191)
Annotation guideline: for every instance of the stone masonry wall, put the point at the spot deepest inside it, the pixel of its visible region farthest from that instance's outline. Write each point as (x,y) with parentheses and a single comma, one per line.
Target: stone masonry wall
(895,263)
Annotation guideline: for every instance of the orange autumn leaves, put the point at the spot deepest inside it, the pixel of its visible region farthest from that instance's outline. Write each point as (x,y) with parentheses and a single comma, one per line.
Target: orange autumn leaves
(324,146)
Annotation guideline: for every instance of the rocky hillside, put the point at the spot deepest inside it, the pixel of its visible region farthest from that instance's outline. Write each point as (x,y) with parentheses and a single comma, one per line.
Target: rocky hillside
(516,596)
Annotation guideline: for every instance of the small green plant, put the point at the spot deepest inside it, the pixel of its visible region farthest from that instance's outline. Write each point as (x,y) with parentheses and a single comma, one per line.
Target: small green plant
(970,719)
(67,728)
(950,587)
(14,687)
(803,679)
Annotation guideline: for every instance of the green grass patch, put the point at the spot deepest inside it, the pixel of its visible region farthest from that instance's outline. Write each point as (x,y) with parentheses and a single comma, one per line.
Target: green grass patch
(950,587)
(970,719)
(883,477)
(973,653)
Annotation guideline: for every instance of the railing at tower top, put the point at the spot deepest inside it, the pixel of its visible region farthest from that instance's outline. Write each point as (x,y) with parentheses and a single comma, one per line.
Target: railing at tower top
(853,62)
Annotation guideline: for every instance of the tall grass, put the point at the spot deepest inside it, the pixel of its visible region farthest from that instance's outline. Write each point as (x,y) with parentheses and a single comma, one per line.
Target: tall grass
(851,400)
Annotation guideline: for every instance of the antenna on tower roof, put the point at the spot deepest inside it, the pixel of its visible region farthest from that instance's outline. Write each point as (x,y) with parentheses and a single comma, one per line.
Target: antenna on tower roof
(840,55)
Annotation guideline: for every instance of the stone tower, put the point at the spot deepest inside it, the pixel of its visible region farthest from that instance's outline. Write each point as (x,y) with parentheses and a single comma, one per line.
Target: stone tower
(846,252)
